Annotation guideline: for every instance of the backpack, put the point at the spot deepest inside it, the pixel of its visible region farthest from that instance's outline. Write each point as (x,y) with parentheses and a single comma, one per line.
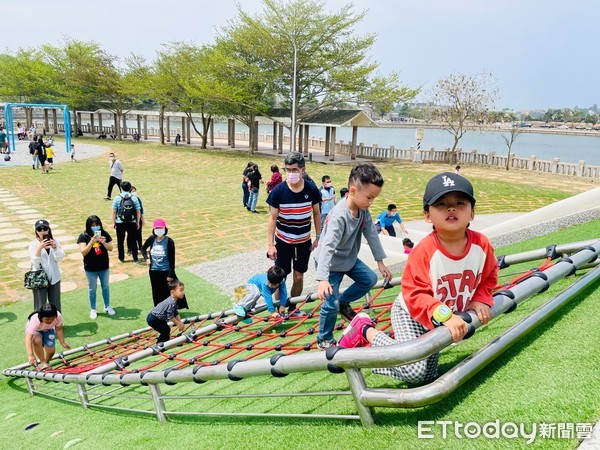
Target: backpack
(127,209)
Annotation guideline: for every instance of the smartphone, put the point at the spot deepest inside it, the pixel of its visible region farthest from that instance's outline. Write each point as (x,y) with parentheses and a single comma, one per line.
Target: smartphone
(98,233)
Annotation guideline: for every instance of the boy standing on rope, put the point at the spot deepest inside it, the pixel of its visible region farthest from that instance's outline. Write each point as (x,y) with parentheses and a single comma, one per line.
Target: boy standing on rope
(337,254)
(167,310)
(453,269)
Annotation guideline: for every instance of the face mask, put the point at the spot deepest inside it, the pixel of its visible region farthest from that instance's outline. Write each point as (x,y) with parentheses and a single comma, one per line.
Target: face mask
(96,229)
(293,177)
(159,232)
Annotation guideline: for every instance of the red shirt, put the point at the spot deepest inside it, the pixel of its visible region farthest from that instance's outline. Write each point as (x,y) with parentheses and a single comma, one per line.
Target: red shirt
(432,276)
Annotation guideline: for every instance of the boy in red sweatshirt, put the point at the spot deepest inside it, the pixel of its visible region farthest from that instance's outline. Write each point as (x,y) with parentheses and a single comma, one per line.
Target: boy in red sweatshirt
(453,269)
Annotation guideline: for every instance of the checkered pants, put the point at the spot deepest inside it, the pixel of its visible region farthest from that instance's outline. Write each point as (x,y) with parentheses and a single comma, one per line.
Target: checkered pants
(406,329)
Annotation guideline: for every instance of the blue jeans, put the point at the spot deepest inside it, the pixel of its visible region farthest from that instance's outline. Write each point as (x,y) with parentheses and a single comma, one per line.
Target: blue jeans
(92,278)
(253,200)
(364,280)
(245,193)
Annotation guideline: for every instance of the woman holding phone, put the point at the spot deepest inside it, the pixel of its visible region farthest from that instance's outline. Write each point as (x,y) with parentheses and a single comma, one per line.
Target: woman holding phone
(45,253)
(95,243)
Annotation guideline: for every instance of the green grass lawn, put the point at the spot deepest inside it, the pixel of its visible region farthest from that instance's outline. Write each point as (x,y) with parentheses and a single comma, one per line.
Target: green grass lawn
(550,376)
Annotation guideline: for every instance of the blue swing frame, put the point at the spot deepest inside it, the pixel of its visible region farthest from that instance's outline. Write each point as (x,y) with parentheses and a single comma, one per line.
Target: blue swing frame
(8,114)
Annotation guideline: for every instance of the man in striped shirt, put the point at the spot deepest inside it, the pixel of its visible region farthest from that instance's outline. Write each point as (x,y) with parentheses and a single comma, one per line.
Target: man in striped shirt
(293,203)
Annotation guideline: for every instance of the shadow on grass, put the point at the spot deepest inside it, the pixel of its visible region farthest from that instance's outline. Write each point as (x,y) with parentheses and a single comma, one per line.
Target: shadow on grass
(80,329)
(123,313)
(7,317)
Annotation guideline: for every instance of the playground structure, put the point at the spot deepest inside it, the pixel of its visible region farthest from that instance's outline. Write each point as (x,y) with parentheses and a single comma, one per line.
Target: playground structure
(10,126)
(176,378)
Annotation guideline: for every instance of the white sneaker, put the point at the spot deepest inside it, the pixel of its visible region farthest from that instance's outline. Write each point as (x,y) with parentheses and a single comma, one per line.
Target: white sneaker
(93,314)
(109,310)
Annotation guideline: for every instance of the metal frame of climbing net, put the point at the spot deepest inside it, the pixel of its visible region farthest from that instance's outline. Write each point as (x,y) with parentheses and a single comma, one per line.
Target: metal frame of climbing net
(217,347)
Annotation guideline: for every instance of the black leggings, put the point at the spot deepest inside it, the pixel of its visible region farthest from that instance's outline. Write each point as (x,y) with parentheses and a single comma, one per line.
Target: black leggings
(161,326)
(160,288)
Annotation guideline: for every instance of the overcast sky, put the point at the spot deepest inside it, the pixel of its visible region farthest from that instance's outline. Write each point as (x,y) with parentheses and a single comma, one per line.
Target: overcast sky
(543,53)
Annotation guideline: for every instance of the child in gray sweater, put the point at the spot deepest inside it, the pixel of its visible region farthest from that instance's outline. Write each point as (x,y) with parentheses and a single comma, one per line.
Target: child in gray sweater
(337,254)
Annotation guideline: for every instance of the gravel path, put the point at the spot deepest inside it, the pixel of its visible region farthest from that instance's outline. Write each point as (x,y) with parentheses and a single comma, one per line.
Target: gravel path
(21,156)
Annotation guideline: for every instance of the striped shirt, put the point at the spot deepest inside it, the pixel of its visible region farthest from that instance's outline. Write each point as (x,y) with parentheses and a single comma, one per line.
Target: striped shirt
(295,211)
(166,310)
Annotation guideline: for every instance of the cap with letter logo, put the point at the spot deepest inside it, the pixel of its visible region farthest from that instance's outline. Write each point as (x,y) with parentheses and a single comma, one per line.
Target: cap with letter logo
(446,182)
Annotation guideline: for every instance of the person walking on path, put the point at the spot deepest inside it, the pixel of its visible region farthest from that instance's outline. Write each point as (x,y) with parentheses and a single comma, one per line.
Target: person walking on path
(126,213)
(95,243)
(42,155)
(45,253)
(293,203)
(116,175)
(33,151)
(161,262)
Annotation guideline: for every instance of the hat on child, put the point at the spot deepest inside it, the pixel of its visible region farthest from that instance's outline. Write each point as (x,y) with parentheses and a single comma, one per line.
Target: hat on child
(446,182)
(159,223)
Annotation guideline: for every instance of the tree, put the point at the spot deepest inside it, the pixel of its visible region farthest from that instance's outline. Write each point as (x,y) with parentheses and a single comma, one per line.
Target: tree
(197,83)
(85,72)
(26,77)
(332,63)
(460,100)
(514,132)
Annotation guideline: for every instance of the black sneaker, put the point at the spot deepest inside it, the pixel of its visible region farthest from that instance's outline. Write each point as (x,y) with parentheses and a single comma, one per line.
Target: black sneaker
(347,312)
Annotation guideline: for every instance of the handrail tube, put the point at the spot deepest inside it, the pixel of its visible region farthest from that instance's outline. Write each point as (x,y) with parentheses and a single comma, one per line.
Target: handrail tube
(540,253)
(462,372)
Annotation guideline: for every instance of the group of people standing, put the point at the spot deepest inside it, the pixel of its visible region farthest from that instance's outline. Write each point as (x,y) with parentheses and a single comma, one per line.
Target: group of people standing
(96,244)
(251,181)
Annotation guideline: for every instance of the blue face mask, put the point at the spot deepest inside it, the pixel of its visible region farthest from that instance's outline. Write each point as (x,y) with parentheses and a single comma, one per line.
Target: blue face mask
(95,229)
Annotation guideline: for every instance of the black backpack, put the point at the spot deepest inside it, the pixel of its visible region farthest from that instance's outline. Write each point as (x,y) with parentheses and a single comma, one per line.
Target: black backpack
(127,209)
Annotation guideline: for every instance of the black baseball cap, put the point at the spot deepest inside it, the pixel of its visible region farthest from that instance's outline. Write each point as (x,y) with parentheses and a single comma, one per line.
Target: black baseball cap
(446,182)
(42,223)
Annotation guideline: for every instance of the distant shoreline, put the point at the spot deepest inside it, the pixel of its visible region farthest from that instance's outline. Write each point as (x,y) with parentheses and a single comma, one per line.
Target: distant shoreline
(534,130)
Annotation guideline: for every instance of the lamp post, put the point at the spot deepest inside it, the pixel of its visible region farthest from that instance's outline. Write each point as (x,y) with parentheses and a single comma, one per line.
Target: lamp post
(293,124)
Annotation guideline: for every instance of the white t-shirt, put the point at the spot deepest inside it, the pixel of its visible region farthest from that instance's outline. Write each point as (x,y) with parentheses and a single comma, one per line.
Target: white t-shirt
(116,169)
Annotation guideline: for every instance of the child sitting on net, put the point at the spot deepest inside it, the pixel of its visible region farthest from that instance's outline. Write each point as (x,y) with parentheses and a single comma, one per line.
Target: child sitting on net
(40,331)
(453,269)
(264,285)
(167,310)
